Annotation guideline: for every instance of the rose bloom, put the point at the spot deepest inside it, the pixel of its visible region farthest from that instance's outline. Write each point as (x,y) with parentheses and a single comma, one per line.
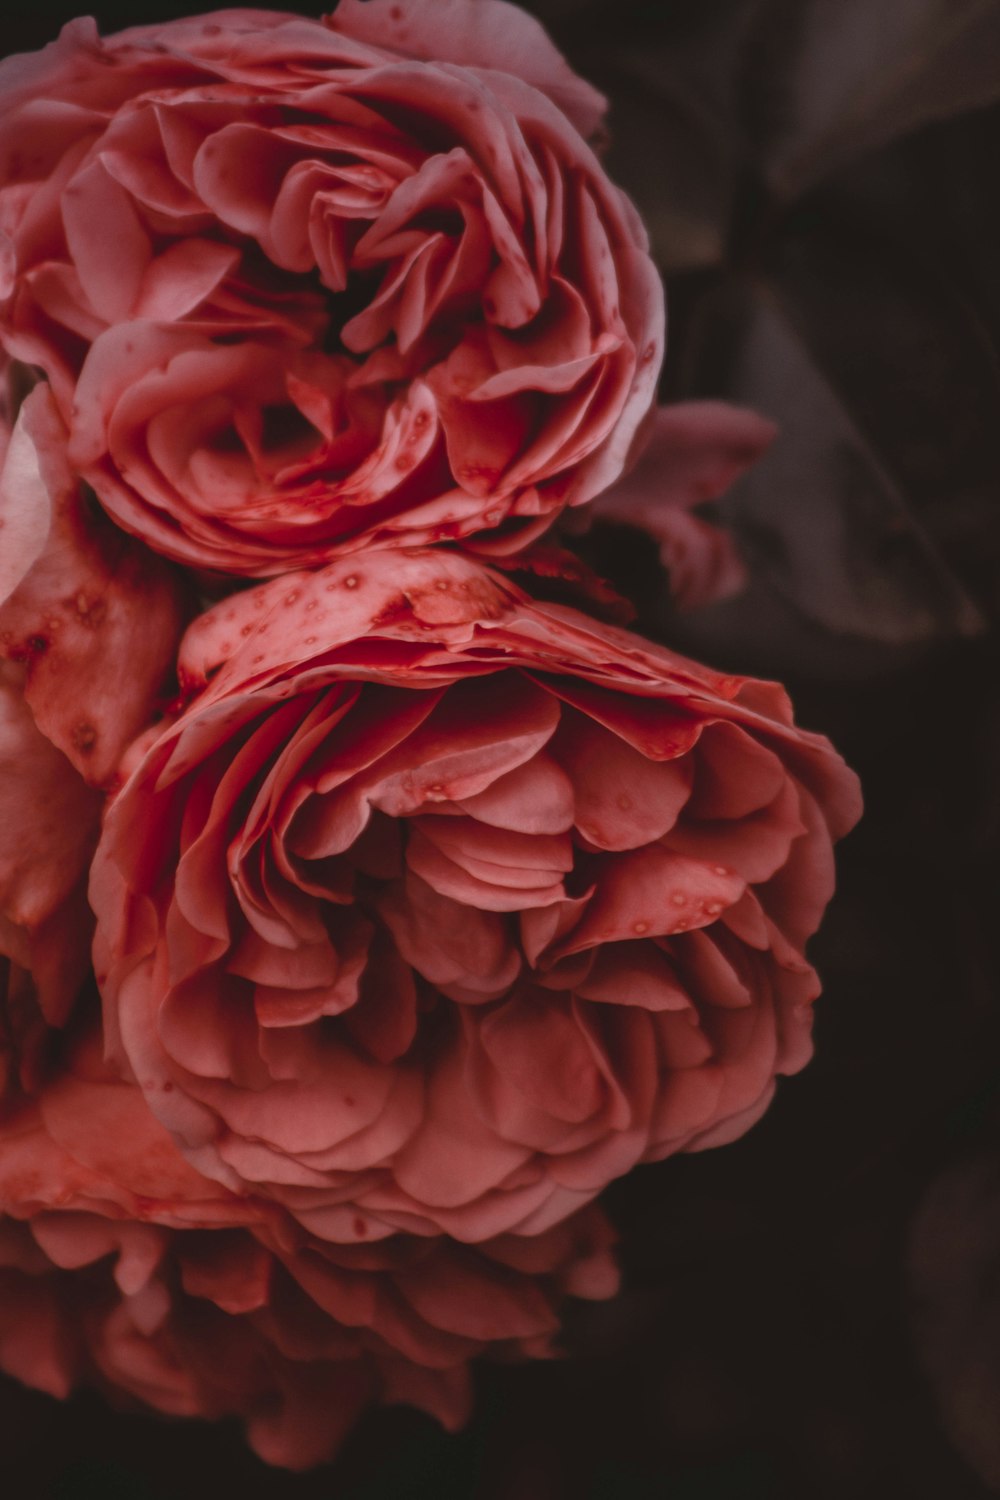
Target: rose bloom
(439,908)
(122,1268)
(48,828)
(301,285)
(72,593)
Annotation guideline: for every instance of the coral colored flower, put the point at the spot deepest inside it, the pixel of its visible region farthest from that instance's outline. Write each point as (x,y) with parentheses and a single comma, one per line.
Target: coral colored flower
(48,829)
(120,1267)
(88,616)
(439,908)
(300,286)
(78,680)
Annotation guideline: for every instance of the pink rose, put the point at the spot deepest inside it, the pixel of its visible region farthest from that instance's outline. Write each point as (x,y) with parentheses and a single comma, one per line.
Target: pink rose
(90,618)
(73,591)
(439,908)
(48,829)
(302,286)
(120,1267)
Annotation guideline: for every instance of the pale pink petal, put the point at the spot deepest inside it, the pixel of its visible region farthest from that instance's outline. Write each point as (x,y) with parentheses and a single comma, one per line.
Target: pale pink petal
(695,451)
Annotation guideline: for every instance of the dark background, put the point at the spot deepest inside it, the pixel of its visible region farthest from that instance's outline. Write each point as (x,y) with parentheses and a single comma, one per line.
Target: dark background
(815,1311)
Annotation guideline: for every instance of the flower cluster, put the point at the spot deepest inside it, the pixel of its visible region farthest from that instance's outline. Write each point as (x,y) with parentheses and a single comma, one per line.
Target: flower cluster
(362,915)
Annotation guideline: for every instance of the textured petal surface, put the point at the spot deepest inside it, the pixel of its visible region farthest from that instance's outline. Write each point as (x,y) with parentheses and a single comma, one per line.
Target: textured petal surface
(48,829)
(88,597)
(449,906)
(122,1268)
(302,286)
(694,451)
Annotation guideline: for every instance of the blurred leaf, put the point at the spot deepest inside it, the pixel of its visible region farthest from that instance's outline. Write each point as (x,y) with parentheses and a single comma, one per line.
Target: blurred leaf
(671,72)
(924,383)
(955,1287)
(672,151)
(820,518)
(834,78)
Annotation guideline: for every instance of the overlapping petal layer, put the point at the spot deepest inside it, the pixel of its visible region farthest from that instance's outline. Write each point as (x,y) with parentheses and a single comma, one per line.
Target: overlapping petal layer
(48,829)
(695,451)
(89,617)
(439,908)
(72,592)
(121,1267)
(302,285)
